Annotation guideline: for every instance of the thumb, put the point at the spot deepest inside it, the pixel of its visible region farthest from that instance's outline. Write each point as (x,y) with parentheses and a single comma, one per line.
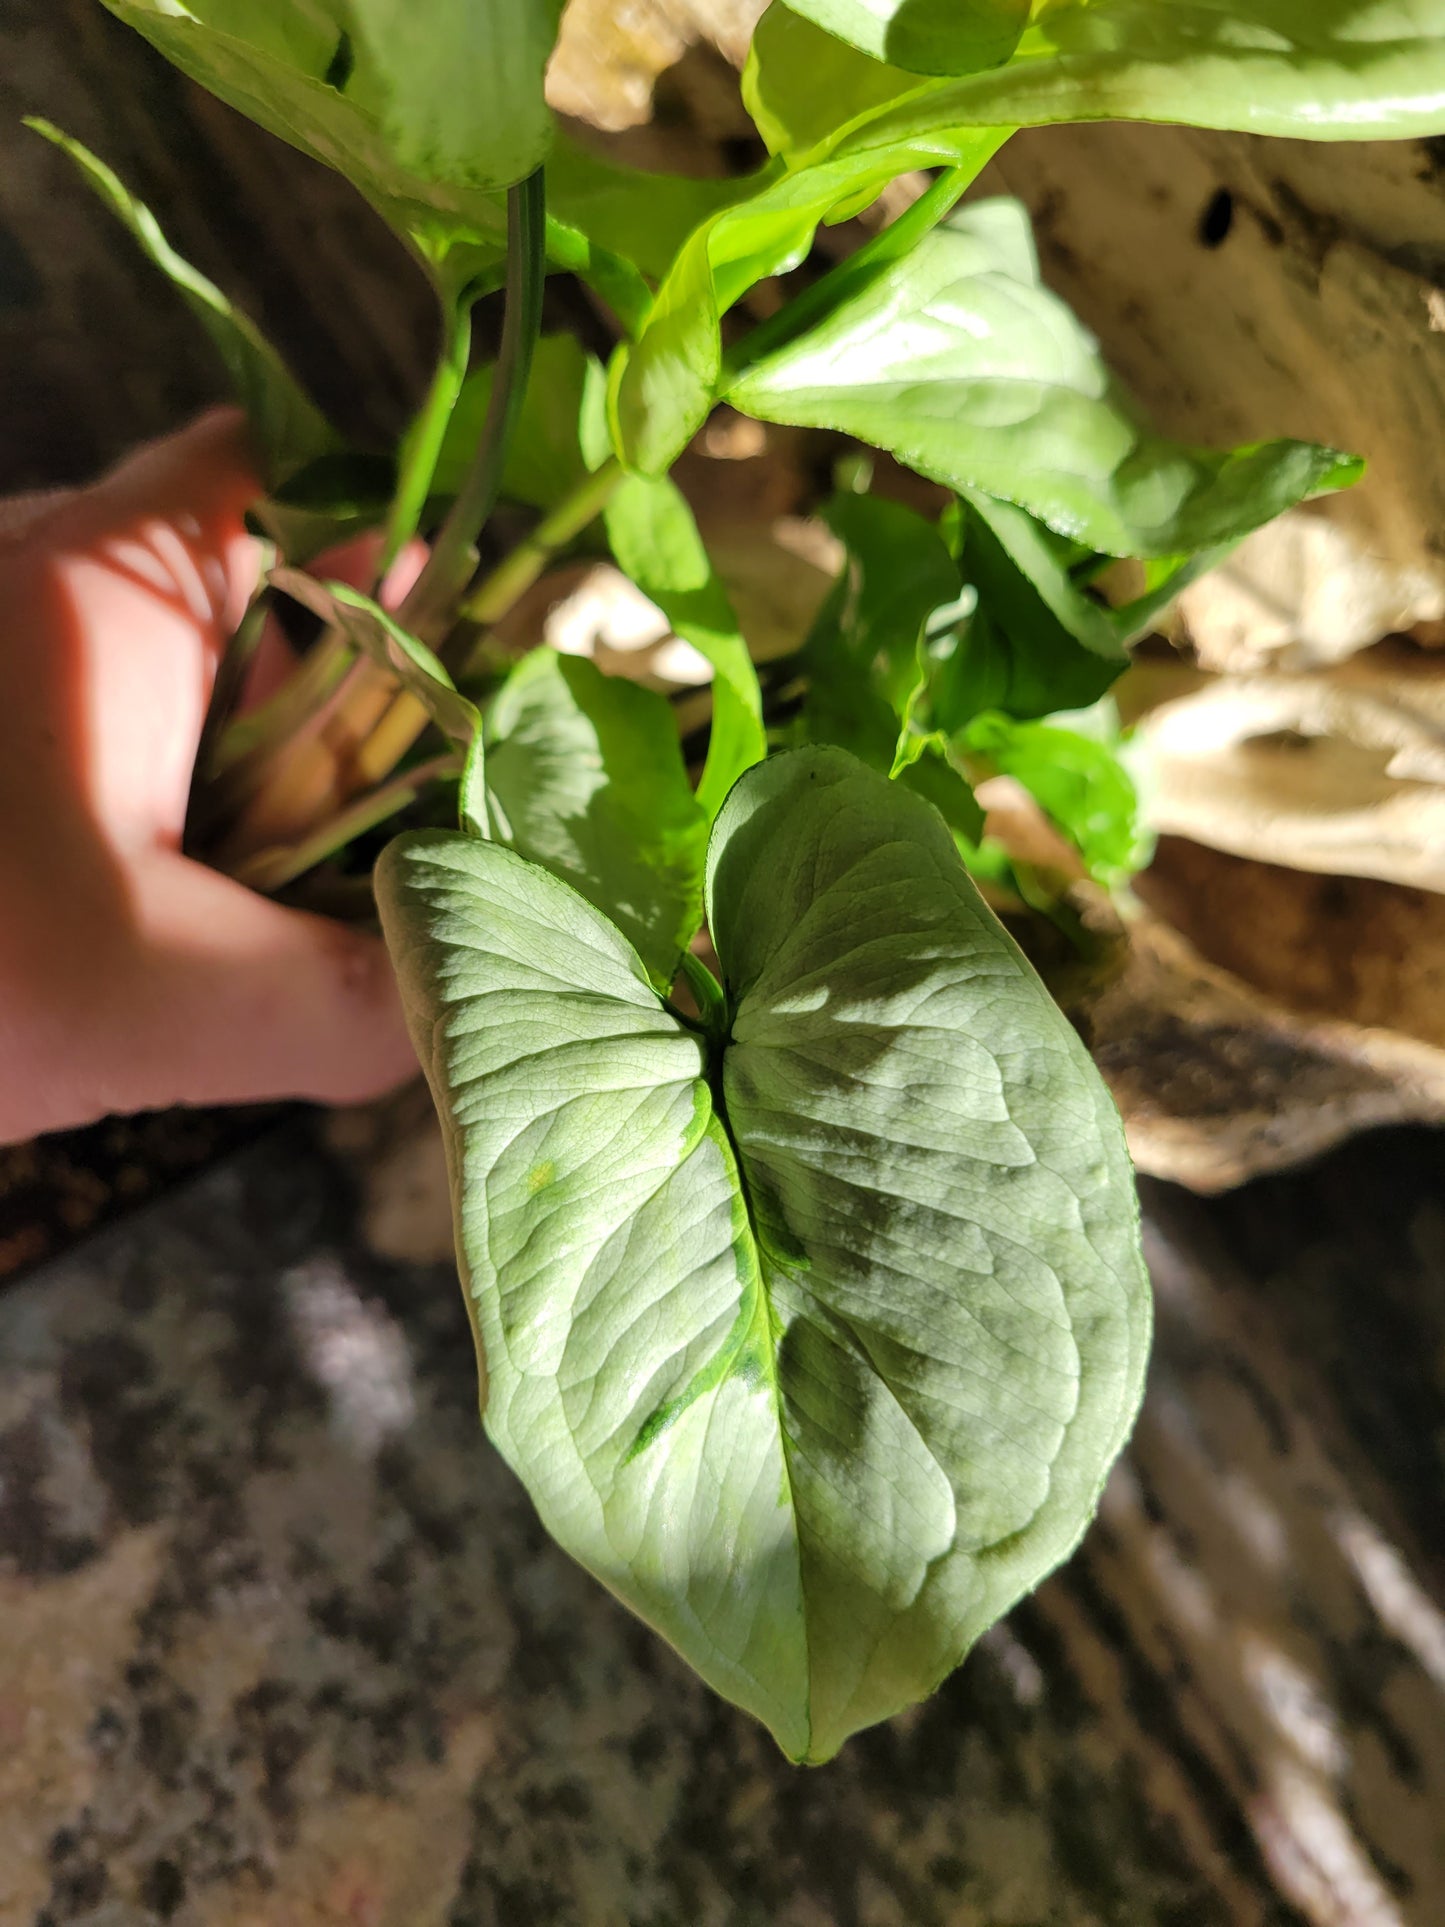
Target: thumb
(236,999)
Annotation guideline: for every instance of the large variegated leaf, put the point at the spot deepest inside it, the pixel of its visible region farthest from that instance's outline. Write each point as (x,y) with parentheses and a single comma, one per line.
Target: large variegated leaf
(814,1341)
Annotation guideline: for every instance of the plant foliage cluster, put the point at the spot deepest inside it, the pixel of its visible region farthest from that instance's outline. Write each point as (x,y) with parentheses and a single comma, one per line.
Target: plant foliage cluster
(808,1295)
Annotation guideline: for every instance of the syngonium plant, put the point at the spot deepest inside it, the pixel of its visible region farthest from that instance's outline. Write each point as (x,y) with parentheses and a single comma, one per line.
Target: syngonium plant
(808,1297)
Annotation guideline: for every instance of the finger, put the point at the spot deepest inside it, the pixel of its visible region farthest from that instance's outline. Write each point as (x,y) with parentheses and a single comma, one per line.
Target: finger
(236,998)
(138,582)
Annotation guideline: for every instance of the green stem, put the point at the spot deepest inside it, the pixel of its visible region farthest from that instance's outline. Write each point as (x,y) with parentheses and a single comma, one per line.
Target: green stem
(427,607)
(226,690)
(267,730)
(250,751)
(496,593)
(711,998)
(851,275)
(424,440)
(269,870)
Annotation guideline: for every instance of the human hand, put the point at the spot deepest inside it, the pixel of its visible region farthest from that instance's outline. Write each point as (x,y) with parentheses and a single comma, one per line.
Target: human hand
(132,977)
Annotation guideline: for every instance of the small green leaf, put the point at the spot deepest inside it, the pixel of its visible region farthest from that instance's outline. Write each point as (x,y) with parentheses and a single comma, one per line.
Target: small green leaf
(958,360)
(818,1353)
(656,543)
(587,779)
(1077,780)
(924,36)
(638,215)
(289,429)
(862,657)
(371,631)
(900,572)
(546,460)
(1035,641)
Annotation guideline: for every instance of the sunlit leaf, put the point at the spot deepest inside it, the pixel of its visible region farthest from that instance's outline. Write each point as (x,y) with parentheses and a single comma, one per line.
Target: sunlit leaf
(656,543)
(289,430)
(957,359)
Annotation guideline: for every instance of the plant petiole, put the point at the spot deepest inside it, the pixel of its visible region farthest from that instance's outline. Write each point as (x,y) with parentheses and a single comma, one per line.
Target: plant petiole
(499,591)
(423,444)
(230,681)
(429,604)
(271,869)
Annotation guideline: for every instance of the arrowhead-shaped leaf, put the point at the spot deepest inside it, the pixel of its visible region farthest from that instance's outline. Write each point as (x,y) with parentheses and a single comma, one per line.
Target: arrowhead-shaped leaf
(289,429)
(814,1342)
(957,359)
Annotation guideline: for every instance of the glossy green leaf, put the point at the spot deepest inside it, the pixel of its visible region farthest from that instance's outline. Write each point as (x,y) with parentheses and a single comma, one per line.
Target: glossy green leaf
(351,82)
(818,1388)
(288,429)
(924,36)
(545,461)
(1076,779)
(586,778)
(665,382)
(656,543)
(806,90)
(959,361)
(374,633)
(1313,69)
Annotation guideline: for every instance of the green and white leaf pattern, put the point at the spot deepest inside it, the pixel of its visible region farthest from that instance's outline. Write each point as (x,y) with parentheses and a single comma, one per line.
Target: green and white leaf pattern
(814,1344)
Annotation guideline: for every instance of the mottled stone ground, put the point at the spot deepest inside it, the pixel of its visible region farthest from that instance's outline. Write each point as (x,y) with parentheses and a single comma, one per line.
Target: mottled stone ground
(281,1641)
